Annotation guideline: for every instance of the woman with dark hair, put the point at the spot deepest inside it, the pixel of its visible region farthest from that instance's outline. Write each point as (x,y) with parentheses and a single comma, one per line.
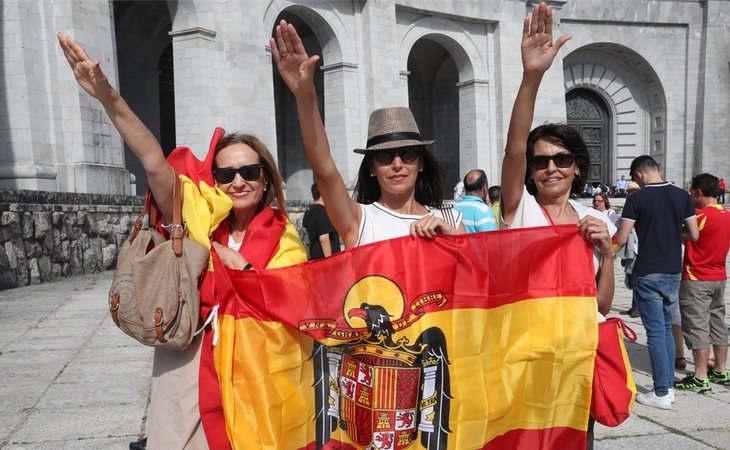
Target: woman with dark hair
(601,203)
(544,168)
(399,181)
(231,209)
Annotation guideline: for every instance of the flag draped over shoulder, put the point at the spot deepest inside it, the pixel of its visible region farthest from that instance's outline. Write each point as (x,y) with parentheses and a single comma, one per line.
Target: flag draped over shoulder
(483,340)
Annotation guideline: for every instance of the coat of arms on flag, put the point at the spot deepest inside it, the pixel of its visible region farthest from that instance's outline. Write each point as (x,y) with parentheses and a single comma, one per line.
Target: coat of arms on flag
(380,390)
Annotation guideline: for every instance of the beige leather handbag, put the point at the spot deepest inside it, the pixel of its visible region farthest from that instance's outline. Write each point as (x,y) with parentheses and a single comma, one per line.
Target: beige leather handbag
(154,295)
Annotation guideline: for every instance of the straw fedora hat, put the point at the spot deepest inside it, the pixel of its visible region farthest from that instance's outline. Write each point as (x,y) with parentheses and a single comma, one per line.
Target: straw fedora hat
(392,128)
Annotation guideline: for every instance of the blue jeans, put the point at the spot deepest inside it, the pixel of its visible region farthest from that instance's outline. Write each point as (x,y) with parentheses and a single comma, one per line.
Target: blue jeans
(656,294)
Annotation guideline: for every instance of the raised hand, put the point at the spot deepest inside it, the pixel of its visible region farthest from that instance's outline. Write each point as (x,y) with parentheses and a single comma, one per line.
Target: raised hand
(86,71)
(538,48)
(295,66)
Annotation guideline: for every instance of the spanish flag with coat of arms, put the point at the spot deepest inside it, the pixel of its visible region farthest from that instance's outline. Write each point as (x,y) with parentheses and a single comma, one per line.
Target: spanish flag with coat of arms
(478,341)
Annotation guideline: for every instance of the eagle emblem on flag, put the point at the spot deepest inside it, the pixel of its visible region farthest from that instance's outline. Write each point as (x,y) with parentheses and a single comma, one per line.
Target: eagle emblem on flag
(379,387)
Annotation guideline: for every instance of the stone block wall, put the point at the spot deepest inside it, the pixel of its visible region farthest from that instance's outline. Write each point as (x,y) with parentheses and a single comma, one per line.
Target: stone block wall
(47,235)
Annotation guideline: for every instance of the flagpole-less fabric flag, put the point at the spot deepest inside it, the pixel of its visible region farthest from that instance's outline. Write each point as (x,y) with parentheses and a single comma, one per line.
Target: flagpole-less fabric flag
(474,341)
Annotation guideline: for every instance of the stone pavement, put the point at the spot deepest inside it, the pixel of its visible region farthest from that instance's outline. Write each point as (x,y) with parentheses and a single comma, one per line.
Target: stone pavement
(70,380)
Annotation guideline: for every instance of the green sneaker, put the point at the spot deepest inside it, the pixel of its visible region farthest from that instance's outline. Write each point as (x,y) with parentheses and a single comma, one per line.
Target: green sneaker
(690,383)
(719,377)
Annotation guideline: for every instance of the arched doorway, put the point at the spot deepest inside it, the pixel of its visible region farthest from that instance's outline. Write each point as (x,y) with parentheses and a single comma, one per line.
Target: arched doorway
(145,63)
(433,97)
(291,159)
(588,113)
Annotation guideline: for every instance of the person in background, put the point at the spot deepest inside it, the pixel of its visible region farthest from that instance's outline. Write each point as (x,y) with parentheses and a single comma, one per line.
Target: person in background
(662,213)
(476,214)
(627,255)
(601,203)
(723,189)
(495,195)
(622,186)
(324,240)
(459,190)
(702,290)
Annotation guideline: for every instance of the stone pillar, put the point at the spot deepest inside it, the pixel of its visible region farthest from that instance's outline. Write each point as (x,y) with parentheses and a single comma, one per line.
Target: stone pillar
(342,118)
(61,138)
(476,150)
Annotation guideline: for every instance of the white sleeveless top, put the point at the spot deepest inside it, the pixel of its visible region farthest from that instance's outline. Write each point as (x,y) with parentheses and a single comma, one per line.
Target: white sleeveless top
(378,223)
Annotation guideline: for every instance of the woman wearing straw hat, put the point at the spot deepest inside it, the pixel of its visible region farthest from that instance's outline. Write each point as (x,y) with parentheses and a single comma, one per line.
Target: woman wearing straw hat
(399,181)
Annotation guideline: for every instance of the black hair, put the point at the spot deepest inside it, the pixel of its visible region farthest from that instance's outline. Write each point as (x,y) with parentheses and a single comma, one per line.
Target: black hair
(428,183)
(708,184)
(566,137)
(315,192)
(478,183)
(642,163)
(494,193)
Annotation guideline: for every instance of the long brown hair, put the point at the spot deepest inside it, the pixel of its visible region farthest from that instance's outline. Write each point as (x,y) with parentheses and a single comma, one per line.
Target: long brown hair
(273,196)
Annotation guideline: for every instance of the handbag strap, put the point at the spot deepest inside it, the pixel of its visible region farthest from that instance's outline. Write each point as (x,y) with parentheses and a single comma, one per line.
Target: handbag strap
(177,228)
(627,331)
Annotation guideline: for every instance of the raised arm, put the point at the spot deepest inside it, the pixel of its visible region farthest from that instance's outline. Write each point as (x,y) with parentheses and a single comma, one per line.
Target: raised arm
(297,70)
(143,143)
(538,51)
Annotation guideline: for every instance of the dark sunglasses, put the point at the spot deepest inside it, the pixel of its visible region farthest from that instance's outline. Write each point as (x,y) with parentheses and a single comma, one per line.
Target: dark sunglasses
(224,175)
(407,155)
(561,160)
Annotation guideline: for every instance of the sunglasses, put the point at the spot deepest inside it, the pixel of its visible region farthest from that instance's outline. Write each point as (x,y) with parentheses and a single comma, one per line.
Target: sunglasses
(561,160)
(224,175)
(407,155)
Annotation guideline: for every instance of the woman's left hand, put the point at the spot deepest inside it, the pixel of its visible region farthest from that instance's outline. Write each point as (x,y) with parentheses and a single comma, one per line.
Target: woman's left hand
(595,231)
(430,227)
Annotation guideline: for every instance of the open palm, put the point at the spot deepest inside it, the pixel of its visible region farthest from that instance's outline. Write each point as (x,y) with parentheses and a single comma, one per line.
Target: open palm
(538,48)
(295,66)
(86,71)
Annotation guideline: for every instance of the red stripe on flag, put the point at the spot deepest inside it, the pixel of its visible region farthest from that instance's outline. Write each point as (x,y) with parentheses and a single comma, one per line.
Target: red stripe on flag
(482,270)
(547,438)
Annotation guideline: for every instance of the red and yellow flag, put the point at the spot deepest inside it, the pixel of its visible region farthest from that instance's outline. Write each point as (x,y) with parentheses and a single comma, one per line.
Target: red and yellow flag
(476,341)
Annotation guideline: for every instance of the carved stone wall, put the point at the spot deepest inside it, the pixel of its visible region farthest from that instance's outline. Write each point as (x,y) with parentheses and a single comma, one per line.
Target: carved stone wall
(47,235)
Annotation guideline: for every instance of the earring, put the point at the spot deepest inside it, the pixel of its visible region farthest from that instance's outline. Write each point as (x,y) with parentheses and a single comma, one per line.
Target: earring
(266,186)
(372,174)
(531,180)
(421,169)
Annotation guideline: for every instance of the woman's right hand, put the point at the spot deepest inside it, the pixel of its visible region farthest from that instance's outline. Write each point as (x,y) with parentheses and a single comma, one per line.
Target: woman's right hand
(231,258)
(87,72)
(538,48)
(295,66)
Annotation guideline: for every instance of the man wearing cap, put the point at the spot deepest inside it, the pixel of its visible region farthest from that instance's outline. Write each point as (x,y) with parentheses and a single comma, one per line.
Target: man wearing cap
(661,214)
(476,214)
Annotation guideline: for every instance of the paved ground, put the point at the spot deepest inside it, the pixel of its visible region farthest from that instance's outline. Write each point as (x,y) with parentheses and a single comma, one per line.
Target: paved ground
(71,380)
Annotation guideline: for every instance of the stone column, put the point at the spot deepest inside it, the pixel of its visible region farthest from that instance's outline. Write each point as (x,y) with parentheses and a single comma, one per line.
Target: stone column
(476,150)
(61,138)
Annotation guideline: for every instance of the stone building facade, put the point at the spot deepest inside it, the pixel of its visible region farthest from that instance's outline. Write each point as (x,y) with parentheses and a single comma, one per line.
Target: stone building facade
(637,77)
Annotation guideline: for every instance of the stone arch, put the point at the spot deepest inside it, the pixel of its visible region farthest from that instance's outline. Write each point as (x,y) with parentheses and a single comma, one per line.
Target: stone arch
(633,94)
(471,87)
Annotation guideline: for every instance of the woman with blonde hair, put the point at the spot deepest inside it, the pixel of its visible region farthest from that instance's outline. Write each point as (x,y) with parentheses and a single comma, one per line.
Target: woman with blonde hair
(244,215)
